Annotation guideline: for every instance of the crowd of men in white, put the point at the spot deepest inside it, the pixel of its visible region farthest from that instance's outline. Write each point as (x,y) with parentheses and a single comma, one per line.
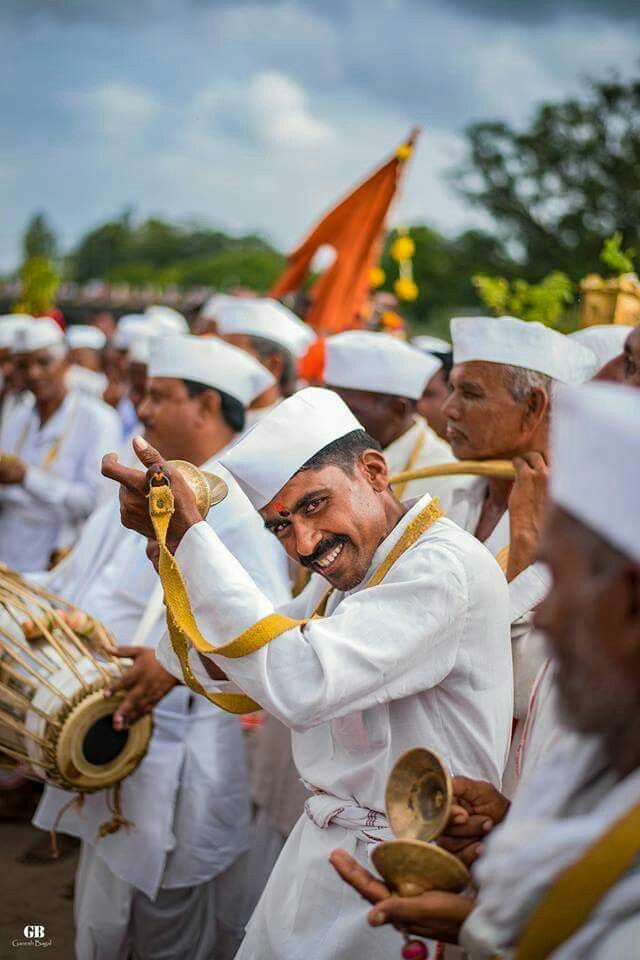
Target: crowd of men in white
(414,629)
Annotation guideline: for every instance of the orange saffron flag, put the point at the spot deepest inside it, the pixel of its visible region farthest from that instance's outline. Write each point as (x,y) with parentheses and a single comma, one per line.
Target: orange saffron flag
(355,230)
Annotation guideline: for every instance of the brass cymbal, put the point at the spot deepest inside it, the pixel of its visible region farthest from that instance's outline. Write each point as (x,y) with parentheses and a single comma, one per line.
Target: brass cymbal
(418,800)
(412,867)
(208,489)
(418,795)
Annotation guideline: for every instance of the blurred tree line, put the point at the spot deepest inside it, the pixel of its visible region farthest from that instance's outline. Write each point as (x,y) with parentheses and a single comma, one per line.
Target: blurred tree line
(555,190)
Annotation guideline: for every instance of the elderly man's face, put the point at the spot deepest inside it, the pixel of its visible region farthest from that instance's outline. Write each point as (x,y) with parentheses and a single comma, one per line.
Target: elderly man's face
(483,419)
(592,623)
(332,522)
(42,373)
(172,419)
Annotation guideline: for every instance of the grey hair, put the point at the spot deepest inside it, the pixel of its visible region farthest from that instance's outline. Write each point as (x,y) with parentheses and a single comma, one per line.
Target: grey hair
(520,382)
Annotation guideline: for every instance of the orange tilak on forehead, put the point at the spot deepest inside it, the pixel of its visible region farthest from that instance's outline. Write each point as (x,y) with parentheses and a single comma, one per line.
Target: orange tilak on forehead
(282,510)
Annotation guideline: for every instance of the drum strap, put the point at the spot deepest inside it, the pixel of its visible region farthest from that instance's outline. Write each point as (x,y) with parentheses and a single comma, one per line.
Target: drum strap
(184,631)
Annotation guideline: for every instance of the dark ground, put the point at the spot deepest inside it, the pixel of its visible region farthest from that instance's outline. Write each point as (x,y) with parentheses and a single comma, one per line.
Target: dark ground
(34,894)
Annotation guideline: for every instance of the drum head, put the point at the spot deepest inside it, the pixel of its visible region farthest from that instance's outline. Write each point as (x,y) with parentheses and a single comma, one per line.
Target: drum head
(90,754)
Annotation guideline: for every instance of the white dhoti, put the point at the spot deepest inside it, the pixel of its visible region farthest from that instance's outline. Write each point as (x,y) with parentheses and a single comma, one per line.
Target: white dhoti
(307,910)
(114,919)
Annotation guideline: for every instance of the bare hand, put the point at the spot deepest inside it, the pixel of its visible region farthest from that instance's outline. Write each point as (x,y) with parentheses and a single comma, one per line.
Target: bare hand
(477,807)
(146,683)
(526,510)
(12,469)
(134,487)
(434,915)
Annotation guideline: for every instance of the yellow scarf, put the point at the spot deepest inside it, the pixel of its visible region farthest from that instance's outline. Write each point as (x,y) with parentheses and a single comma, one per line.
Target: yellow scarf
(184,631)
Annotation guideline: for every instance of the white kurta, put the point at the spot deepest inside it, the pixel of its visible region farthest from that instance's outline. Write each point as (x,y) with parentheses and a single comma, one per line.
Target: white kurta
(569,802)
(421,659)
(62,484)
(189,798)
(420,446)
(526,591)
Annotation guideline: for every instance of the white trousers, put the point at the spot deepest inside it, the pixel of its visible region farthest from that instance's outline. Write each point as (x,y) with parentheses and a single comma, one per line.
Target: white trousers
(115,921)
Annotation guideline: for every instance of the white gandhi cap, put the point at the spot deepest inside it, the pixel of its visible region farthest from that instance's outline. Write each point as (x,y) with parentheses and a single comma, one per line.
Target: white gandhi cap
(595,456)
(212,362)
(10,324)
(39,334)
(84,335)
(268,319)
(364,360)
(282,441)
(605,339)
(517,343)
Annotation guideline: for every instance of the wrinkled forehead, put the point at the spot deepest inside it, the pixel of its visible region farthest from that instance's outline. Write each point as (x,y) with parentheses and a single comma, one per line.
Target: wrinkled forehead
(483,373)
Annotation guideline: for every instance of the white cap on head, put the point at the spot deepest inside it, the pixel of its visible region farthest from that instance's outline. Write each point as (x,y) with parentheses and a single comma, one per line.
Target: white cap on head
(140,349)
(210,361)
(431,344)
(10,324)
(275,448)
(166,321)
(518,343)
(130,326)
(84,335)
(39,334)
(606,340)
(364,360)
(595,455)
(268,319)
(211,307)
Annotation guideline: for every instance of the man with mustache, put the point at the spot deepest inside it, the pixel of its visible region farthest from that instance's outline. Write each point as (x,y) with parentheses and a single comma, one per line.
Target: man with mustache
(561,876)
(402,639)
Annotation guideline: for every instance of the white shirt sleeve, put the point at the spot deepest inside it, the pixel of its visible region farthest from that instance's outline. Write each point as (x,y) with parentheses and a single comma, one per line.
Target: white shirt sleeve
(380,645)
(73,498)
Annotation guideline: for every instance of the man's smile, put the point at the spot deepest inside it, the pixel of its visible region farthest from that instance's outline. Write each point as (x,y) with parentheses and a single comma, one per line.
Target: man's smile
(324,563)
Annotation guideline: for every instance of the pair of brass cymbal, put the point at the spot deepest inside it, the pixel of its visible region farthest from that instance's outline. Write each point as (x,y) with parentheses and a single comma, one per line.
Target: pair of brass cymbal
(418,802)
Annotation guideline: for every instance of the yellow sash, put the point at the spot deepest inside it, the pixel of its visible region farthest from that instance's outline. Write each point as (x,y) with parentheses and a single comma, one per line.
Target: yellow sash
(566,906)
(184,631)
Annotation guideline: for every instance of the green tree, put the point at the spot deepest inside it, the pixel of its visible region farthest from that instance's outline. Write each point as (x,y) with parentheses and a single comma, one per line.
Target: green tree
(101,250)
(39,238)
(40,280)
(558,188)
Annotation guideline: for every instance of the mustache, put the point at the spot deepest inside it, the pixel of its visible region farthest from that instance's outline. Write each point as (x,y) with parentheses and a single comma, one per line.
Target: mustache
(329,543)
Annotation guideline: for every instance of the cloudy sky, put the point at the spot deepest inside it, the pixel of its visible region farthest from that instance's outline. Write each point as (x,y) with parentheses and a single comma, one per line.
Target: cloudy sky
(258,114)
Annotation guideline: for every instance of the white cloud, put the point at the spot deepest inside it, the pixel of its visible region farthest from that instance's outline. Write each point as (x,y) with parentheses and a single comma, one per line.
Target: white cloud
(116,108)
(279,110)
(270,109)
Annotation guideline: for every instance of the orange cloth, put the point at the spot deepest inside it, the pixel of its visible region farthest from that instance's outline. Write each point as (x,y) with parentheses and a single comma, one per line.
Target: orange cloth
(354,228)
